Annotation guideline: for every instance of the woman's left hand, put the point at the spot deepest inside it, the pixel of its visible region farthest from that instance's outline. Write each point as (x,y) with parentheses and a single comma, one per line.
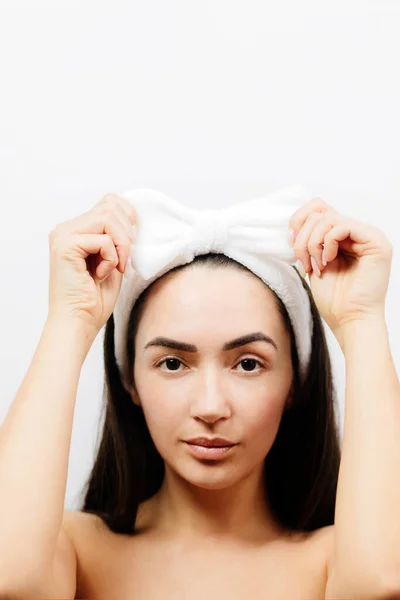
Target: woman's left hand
(354,282)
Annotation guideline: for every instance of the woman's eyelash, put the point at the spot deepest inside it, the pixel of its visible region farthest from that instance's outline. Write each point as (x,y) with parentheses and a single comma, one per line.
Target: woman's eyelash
(158,365)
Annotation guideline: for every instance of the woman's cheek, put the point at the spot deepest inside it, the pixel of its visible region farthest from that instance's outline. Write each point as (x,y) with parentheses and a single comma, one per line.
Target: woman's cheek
(165,422)
(263,423)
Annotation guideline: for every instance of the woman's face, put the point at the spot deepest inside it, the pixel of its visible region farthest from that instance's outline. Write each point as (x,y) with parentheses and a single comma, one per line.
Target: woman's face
(238,393)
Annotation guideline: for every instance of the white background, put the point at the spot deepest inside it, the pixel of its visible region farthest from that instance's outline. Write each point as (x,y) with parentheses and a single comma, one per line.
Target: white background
(211,102)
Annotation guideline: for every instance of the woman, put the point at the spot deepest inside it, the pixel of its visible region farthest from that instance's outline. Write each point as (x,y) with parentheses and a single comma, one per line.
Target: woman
(257,516)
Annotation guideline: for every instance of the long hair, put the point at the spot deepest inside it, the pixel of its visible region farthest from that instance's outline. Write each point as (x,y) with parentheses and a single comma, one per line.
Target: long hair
(300,470)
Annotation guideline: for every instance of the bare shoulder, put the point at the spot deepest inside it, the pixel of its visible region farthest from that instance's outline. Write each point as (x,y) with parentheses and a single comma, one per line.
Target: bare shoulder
(313,559)
(82,528)
(75,519)
(322,542)
(323,537)
(77,533)
(63,578)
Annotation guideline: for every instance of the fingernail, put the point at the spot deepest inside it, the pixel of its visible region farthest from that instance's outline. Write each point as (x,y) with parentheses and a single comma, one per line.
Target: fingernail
(324,257)
(315,267)
(300,268)
(128,267)
(291,235)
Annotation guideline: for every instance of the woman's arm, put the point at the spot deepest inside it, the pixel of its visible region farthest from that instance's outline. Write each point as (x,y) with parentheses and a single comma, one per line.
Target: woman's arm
(367,514)
(34,450)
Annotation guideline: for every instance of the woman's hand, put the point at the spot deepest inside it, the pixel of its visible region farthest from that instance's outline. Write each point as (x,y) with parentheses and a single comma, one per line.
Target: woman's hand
(354,282)
(88,257)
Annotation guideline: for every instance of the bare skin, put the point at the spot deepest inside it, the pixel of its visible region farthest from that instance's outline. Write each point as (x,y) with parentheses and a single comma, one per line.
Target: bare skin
(209,529)
(150,566)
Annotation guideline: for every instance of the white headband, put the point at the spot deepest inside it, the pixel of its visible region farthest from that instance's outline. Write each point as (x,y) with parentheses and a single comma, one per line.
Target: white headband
(253,232)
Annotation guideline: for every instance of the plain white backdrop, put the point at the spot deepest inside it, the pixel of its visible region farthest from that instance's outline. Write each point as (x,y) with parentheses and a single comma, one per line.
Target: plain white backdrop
(211,102)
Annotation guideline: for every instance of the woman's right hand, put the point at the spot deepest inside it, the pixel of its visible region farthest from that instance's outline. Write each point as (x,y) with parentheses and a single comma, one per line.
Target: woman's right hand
(88,256)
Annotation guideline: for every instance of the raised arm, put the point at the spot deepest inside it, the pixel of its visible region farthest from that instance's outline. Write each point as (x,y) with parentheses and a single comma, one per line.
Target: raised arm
(88,256)
(367,513)
(34,449)
(349,264)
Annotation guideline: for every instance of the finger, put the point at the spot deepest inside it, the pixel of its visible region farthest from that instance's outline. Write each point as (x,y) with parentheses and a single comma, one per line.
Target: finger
(93,220)
(348,235)
(356,239)
(121,245)
(125,222)
(122,242)
(315,205)
(104,219)
(300,245)
(93,245)
(128,208)
(316,241)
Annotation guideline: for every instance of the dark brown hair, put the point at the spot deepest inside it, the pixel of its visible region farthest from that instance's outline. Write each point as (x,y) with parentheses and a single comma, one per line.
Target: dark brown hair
(301,468)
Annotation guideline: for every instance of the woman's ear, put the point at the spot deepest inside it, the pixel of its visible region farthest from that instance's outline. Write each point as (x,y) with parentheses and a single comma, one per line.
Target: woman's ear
(289,399)
(135,397)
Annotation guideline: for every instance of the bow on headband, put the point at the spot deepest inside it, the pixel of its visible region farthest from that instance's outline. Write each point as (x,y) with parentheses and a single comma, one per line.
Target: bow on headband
(253,232)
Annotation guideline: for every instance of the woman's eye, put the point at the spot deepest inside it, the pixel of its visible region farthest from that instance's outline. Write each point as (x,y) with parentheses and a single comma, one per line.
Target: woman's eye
(169,360)
(248,362)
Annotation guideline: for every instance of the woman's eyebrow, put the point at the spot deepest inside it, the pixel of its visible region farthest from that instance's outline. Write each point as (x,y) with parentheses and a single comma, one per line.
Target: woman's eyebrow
(258,336)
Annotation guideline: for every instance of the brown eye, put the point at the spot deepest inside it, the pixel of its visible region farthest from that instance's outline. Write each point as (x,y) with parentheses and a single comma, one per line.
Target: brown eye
(249,362)
(174,362)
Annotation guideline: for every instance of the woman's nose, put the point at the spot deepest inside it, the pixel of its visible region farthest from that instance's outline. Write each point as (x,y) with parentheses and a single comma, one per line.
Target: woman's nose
(210,400)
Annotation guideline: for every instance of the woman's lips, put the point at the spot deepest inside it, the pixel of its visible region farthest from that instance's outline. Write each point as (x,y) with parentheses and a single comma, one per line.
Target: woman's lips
(211,453)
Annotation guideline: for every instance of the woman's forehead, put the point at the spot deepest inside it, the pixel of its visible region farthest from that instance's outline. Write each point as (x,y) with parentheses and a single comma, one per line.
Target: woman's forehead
(210,304)
(199,289)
